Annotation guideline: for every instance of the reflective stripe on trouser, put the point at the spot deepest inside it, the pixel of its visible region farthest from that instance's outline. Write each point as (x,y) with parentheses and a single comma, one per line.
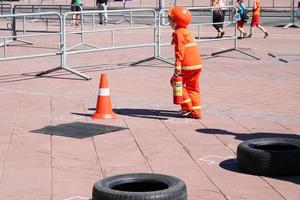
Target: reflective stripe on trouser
(191,67)
(191,92)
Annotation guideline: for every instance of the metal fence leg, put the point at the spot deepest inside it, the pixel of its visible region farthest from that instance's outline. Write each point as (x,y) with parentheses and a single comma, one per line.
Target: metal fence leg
(235,49)
(292,23)
(48,71)
(14,32)
(67,69)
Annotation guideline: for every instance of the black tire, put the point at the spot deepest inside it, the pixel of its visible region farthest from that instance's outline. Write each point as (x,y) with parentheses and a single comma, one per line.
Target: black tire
(270,156)
(140,186)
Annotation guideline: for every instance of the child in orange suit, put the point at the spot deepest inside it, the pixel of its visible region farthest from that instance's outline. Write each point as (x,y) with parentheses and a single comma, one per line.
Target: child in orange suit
(188,62)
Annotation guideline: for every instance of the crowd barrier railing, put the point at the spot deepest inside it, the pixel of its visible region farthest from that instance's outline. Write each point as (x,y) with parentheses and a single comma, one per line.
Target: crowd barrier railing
(196,23)
(3,7)
(248,3)
(292,17)
(39,8)
(8,39)
(69,50)
(69,42)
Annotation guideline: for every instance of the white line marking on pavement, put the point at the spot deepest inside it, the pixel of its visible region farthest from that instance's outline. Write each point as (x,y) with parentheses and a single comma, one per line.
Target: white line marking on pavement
(180,120)
(67,118)
(213,159)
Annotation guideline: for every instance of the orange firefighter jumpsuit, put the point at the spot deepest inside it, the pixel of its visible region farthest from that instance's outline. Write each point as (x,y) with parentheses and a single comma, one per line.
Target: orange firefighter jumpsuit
(188,61)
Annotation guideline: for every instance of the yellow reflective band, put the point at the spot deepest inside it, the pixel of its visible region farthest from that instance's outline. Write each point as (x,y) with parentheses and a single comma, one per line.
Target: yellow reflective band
(192,67)
(190,45)
(178,67)
(186,101)
(196,107)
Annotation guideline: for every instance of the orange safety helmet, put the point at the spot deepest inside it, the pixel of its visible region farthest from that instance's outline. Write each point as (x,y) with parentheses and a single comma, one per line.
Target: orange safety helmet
(181,16)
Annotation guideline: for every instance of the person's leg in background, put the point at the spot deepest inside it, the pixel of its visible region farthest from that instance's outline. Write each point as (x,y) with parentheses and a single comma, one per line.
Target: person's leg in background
(73,9)
(240,25)
(77,17)
(256,22)
(105,13)
(102,7)
(218,20)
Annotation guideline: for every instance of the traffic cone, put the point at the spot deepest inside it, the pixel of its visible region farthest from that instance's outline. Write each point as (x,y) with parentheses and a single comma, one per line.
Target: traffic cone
(103,108)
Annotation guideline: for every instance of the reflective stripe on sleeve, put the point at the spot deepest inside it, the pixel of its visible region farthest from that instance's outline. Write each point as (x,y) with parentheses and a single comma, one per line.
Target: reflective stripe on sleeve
(192,67)
(178,67)
(190,45)
(103,92)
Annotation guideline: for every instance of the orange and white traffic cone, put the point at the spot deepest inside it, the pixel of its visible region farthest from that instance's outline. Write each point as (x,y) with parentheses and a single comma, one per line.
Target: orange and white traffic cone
(103,108)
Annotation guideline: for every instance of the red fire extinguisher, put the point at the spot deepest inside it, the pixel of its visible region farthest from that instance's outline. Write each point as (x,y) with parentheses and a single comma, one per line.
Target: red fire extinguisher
(177,90)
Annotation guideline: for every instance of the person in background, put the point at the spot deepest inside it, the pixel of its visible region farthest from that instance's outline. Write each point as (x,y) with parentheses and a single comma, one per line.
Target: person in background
(241,11)
(256,19)
(222,4)
(102,5)
(188,62)
(76,5)
(218,17)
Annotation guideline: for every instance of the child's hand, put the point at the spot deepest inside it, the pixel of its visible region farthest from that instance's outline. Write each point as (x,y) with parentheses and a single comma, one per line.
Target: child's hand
(177,73)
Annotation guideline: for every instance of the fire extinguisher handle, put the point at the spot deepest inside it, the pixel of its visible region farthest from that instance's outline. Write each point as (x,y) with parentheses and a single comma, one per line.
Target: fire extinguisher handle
(177,73)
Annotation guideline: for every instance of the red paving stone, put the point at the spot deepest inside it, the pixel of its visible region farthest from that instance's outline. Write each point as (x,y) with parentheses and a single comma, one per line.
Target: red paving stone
(242,98)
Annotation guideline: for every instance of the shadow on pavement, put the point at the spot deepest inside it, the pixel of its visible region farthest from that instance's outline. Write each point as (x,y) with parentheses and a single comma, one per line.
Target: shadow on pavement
(30,76)
(248,136)
(231,165)
(15,77)
(78,130)
(147,113)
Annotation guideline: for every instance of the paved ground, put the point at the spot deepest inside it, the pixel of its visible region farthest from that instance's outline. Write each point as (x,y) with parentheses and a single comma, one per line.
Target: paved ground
(50,149)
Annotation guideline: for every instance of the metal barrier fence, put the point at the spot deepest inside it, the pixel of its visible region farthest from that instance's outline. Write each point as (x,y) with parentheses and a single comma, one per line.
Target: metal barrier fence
(268,9)
(39,33)
(249,3)
(156,4)
(156,23)
(3,7)
(273,9)
(292,16)
(196,10)
(41,8)
(66,50)
(61,9)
